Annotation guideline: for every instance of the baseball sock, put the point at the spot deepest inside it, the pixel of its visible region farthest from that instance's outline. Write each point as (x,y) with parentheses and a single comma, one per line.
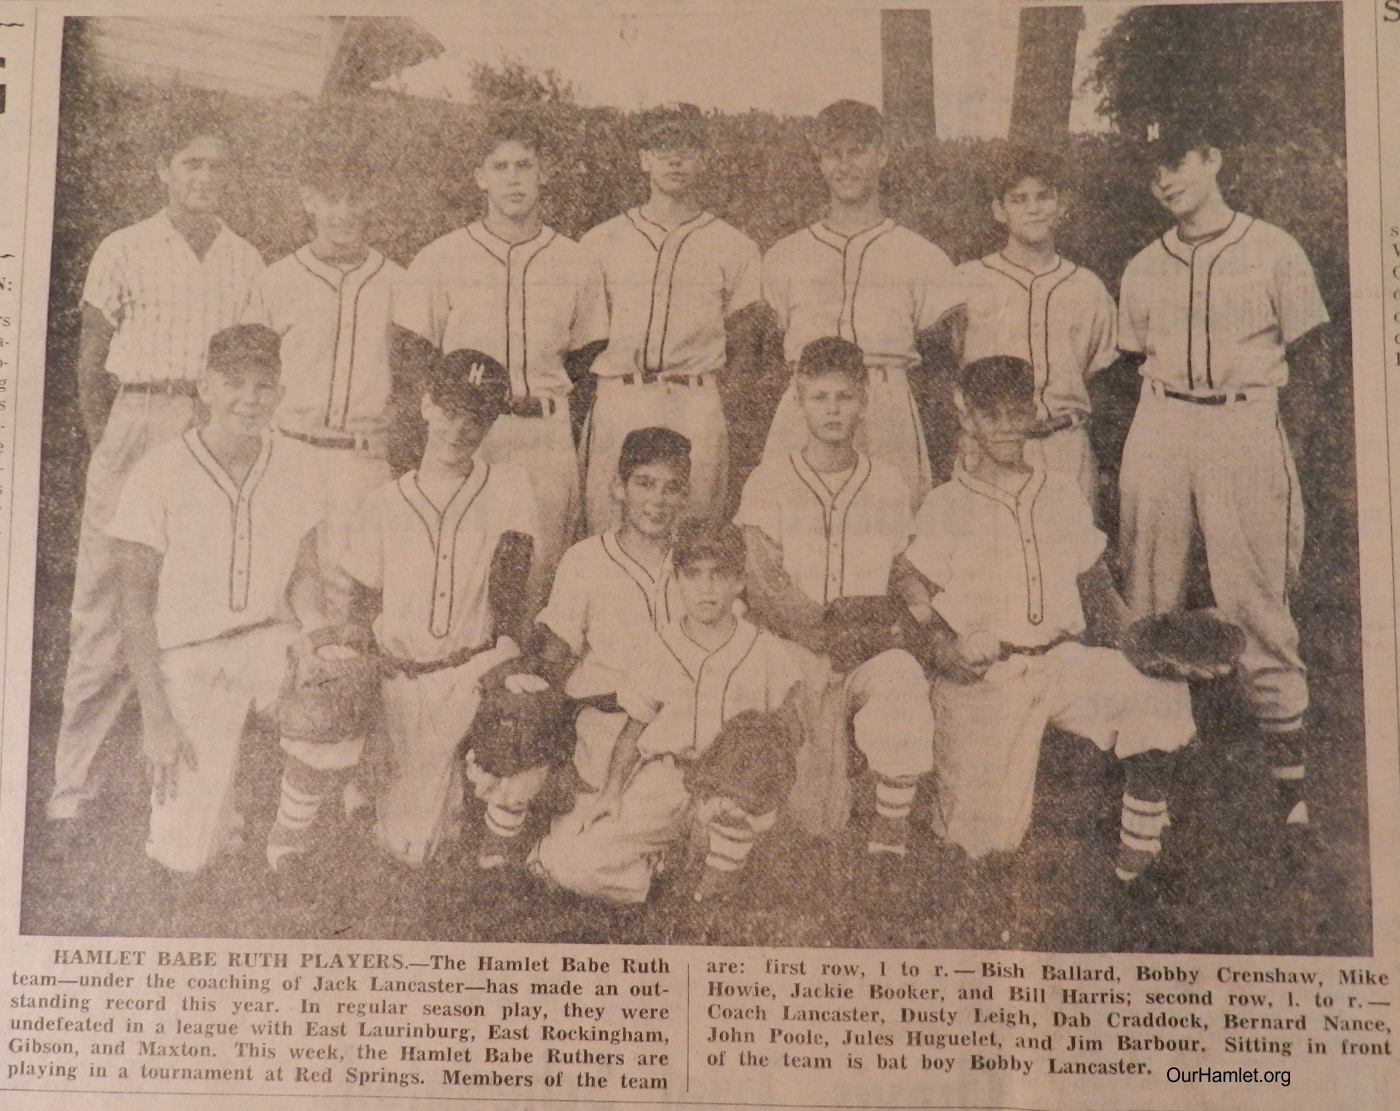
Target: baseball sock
(502,827)
(732,837)
(303,789)
(1288,770)
(1144,814)
(894,798)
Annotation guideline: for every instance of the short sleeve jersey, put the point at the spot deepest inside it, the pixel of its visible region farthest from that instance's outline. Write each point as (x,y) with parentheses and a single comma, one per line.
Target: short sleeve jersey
(1063,322)
(163,300)
(1007,565)
(1218,314)
(685,693)
(607,608)
(227,551)
(525,304)
(668,292)
(433,568)
(334,326)
(835,543)
(878,289)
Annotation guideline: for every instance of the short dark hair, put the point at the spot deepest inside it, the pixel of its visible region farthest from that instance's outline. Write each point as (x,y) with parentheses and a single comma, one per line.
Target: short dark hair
(466,382)
(642,446)
(243,344)
(832,355)
(997,382)
(177,132)
(1019,164)
(849,119)
(511,126)
(670,127)
(718,540)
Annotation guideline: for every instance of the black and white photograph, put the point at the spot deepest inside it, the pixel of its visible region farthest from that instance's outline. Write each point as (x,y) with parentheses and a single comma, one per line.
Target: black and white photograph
(787,477)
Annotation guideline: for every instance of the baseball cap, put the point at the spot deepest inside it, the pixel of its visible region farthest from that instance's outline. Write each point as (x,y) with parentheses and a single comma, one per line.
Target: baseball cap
(1165,140)
(467,381)
(849,119)
(670,127)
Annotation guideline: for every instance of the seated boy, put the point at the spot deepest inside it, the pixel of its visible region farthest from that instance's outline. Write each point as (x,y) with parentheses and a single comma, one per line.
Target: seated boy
(713,666)
(614,591)
(828,522)
(442,556)
(216,533)
(1015,563)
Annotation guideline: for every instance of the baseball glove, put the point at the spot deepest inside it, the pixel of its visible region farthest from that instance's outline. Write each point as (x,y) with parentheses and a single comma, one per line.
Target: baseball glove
(511,732)
(1185,645)
(857,629)
(751,761)
(333,697)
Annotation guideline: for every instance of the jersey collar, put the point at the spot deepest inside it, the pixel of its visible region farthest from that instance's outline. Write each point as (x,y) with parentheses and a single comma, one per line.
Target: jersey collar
(1026,498)
(1019,274)
(334,276)
(840,242)
(656,235)
(500,249)
(1232,233)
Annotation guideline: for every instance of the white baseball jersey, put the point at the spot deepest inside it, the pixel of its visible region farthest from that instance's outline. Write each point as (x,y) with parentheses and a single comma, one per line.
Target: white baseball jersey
(835,543)
(1218,314)
(607,608)
(669,292)
(524,304)
(686,693)
(334,326)
(1007,565)
(164,301)
(433,567)
(878,289)
(227,551)
(1063,322)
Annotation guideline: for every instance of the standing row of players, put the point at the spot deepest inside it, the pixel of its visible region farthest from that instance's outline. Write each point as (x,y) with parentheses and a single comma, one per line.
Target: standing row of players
(495,320)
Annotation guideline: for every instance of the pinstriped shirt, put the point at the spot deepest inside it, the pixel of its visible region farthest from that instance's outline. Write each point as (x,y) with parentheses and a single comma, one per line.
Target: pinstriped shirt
(525,304)
(334,326)
(669,292)
(1063,322)
(1219,314)
(878,289)
(165,302)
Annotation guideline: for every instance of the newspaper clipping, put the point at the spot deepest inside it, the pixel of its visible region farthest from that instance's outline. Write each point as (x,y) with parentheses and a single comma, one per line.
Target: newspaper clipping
(702,553)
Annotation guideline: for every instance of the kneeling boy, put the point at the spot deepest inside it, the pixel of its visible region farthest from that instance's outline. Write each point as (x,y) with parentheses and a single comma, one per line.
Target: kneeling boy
(1015,562)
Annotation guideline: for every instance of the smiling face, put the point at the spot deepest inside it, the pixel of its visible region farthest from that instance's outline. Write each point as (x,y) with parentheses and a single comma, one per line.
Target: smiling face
(1189,185)
(341,217)
(1001,433)
(194,177)
(832,405)
(852,167)
(240,397)
(708,590)
(1030,211)
(511,176)
(673,171)
(453,437)
(652,497)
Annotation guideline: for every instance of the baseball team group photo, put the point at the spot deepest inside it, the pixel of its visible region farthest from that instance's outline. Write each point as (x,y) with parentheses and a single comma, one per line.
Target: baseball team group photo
(473,508)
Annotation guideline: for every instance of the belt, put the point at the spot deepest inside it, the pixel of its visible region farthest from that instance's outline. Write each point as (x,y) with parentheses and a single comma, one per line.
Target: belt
(170,387)
(647,377)
(1204,399)
(533,406)
(1009,650)
(390,666)
(604,703)
(346,442)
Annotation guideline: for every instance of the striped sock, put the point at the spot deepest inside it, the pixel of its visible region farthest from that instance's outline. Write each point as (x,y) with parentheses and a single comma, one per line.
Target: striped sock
(1286,746)
(732,837)
(296,812)
(894,799)
(1140,835)
(503,822)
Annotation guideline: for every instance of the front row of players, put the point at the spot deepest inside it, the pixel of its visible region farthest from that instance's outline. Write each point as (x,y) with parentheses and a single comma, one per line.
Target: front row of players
(942,643)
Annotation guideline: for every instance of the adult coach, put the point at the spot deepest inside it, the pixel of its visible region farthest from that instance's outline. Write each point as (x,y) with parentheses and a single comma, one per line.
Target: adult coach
(510,287)
(1215,309)
(674,274)
(858,275)
(155,294)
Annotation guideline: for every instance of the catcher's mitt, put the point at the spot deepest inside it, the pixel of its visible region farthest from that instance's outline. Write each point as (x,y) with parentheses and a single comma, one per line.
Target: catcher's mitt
(750,761)
(325,700)
(1185,645)
(857,629)
(511,732)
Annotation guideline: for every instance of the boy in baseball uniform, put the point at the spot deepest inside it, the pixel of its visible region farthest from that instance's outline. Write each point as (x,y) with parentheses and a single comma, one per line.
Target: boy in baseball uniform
(155,294)
(828,521)
(1214,309)
(441,556)
(614,592)
(330,301)
(214,536)
(673,274)
(858,275)
(1014,562)
(714,666)
(510,287)
(1029,301)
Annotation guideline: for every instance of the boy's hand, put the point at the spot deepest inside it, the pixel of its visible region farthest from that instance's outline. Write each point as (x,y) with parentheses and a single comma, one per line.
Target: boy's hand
(165,745)
(975,653)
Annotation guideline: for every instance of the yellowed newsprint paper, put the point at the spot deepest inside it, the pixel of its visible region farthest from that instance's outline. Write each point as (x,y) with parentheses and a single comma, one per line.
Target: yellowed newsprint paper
(699,554)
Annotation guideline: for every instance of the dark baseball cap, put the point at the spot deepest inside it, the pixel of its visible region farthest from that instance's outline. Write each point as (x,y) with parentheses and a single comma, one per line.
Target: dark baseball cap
(671,127)
(1165,140)
(849,119)
(467,381)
